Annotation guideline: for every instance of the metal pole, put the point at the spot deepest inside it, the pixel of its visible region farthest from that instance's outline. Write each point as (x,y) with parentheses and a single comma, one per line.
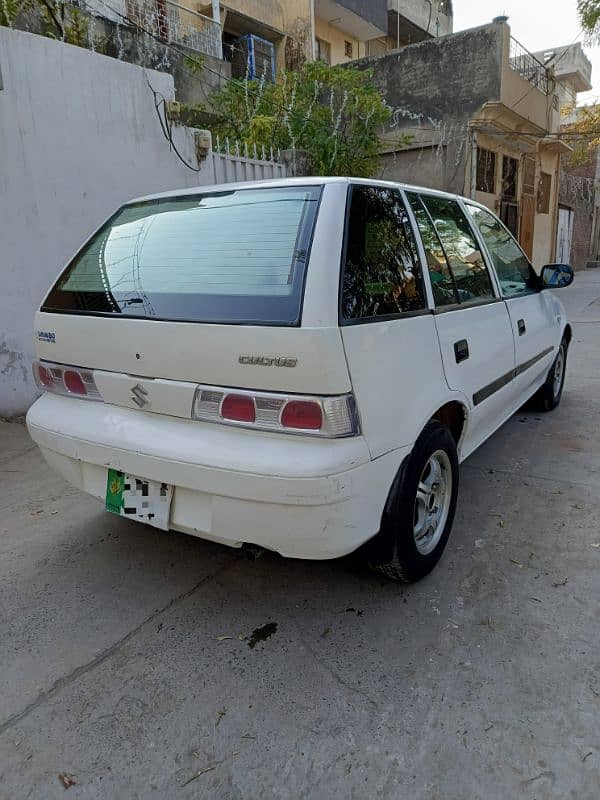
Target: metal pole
(398,25)
(473,187)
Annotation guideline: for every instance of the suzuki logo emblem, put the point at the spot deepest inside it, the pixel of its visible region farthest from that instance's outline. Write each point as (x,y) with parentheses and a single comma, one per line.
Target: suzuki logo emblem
(139,396)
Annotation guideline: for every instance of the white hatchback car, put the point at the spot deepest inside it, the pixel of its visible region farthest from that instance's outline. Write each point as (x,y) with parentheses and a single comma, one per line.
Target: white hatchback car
(298,364)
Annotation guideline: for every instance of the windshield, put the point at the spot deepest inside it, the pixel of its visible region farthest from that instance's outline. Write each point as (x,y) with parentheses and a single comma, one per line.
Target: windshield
(231,257)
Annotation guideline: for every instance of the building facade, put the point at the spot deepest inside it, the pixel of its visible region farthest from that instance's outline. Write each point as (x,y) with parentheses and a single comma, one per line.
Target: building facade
(483,117)
(578,233)
(254,34)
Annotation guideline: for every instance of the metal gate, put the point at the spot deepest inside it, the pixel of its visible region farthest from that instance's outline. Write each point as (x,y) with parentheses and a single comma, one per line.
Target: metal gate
(233,168)
(564,235)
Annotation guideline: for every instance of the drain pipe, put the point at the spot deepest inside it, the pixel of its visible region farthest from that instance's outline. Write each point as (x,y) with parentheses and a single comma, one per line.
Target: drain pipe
(473,187)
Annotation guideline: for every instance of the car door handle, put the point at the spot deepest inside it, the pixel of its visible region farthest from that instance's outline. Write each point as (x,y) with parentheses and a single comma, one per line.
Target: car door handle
(461,350)
(522,327)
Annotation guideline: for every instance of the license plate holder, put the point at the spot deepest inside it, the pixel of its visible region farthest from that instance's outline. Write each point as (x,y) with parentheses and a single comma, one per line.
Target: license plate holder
(139,499)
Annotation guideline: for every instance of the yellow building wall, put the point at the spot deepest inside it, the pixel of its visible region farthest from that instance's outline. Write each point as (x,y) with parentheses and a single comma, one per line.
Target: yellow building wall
(269,12)
(299,22)
(337,40)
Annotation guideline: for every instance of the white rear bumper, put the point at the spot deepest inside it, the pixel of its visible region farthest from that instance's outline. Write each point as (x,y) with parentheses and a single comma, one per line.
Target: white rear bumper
(302,497)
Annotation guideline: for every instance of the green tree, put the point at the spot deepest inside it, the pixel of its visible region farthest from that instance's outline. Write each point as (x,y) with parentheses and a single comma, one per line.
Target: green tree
(589,16)
(582,132)
(334,114)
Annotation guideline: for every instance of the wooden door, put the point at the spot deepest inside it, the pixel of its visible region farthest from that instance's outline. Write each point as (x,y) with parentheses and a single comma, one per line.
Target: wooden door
(527,224)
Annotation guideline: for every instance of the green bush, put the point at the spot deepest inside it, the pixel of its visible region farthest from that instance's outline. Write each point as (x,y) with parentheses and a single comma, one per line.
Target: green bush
(335,114)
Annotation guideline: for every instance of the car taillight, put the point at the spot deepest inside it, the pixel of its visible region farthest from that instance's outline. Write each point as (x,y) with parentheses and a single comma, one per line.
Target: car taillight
(45,376)
(303,415)
(60,379)
(74,382)
(330,417)
(238,408)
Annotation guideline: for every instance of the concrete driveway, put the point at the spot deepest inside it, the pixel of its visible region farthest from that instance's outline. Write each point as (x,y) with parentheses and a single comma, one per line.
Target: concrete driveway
(483,681)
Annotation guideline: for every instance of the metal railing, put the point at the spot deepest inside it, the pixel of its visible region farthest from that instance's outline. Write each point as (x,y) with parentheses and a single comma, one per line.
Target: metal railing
(173,23)
(528,66)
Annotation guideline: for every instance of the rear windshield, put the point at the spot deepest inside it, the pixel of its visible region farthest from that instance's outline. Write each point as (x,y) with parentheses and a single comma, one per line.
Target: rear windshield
(232,257)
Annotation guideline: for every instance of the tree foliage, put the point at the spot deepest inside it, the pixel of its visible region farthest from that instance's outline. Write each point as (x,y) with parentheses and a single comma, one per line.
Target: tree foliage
(334,114)
(589,16)
(582,133)
(582,130)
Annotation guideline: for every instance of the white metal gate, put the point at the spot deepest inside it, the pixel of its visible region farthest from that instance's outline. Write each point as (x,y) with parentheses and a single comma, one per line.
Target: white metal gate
(232,168)
(564,235)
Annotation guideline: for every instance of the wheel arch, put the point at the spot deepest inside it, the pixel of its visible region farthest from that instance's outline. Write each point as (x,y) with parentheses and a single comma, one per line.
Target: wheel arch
(454,414)
(568,333)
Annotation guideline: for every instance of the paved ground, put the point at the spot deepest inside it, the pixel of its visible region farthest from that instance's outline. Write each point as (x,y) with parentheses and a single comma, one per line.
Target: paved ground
(481,682)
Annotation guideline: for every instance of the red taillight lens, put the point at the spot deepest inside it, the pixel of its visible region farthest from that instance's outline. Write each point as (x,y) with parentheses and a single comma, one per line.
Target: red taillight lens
(239,408)
(74,382)
(45,376)
(302,414)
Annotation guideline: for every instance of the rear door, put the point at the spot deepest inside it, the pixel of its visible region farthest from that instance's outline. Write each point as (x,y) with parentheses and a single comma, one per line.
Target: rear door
(473,324)
(388,330)
(535,323)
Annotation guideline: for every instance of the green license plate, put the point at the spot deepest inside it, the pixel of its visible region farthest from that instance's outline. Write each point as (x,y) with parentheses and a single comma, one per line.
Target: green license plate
(139,499)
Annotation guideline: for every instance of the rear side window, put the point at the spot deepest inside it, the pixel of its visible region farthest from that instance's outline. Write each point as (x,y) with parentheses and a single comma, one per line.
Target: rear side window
(515,273)
(382,275)
(231,257)
(471,277)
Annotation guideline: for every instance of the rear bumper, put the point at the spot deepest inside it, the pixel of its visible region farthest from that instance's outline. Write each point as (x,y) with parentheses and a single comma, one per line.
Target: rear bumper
(300,497)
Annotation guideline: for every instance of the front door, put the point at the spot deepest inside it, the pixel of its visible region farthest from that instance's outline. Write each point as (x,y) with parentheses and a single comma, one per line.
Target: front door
(532,314)
(527,223)
(473,324)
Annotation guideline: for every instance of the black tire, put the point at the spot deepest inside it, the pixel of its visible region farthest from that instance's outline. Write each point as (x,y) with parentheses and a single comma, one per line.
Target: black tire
(548,397)
(394,552)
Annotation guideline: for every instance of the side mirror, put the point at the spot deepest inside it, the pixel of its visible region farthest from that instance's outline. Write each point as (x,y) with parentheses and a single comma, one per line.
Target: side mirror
(557,276)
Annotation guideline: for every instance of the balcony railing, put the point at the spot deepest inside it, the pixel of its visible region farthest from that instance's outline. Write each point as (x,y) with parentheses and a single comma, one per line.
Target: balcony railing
(173,23)
(528,66)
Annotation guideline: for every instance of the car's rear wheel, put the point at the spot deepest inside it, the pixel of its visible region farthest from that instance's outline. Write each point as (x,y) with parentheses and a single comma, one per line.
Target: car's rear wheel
(420,510)
(549,395)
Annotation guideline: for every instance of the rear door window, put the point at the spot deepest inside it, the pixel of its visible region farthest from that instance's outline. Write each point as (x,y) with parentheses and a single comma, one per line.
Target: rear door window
(471,277)
(382,274)
(231,257)
(442,282)
(515,273)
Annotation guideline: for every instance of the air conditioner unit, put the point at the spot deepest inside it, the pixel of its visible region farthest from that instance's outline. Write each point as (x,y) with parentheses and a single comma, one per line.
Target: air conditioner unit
(253,58)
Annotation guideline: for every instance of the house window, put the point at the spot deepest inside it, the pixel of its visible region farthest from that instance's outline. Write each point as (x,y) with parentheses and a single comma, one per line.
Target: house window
(510,178)
(322,51)
(348,49)
(486,171)
(544,192)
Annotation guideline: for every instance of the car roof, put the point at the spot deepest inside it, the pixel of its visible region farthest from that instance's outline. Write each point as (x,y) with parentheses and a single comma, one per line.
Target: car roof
(282,182)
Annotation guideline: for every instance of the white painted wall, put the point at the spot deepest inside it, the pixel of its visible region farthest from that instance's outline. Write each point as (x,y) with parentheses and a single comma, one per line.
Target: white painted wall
(79,136)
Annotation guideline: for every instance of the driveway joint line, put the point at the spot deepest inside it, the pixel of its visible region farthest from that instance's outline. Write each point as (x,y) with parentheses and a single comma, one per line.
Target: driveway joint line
(83,669)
